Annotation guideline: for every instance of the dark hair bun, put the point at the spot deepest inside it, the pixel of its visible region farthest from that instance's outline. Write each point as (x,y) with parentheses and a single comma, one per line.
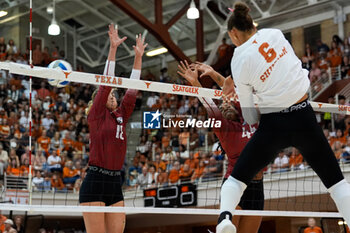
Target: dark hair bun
(241,9)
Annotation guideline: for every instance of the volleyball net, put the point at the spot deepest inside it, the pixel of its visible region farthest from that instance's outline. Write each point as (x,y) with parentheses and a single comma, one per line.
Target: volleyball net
(171,167)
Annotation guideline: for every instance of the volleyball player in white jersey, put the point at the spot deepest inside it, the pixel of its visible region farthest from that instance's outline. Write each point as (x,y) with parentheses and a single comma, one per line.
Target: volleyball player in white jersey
(264,64)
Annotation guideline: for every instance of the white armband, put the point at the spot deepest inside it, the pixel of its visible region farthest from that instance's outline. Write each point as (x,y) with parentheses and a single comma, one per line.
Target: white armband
(109,68)
(135,74)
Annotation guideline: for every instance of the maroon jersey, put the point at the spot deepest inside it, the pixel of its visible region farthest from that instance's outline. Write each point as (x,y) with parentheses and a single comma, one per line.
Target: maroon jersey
(233,135)
(107,129)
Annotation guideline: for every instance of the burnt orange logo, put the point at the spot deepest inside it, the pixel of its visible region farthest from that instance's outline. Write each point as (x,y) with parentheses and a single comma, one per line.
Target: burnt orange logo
(254,42)
(147,84)
(217,93)
(66,74)
(320,105)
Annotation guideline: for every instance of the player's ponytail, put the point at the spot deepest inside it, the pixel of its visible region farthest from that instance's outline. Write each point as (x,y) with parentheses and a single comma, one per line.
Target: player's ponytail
(87,110)
(240,19)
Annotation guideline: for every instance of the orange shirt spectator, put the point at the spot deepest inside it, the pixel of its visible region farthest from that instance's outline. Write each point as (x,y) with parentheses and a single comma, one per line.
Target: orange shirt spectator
(69,172)
(44,142)
(192,162)
(24,170)
(2,221)
(13,171)
(174,174)
(313,230)
(339,137)
(67,142)
(322,64)
(335,60)
(165,140)
(37,56)
(56,182)
(296,158)
(78,146)
(162,176)
(185,173)
(312,227)
(198,172)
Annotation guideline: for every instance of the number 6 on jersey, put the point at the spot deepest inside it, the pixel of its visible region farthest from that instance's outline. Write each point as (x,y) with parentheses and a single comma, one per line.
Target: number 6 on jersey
(268,54)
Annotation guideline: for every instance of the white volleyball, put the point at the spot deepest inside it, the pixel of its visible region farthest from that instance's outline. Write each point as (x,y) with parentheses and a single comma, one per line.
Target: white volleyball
(63,65)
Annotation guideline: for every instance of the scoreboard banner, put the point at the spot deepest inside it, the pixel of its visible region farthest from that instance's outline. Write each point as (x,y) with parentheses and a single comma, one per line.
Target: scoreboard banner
(171,196)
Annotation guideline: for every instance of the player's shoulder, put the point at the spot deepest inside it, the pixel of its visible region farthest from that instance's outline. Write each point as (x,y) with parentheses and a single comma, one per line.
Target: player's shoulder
(269,31)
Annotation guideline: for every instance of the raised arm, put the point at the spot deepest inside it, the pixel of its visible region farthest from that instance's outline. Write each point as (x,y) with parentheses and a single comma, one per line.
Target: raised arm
(128,103)
(207,70)
(191,75)
(99,103)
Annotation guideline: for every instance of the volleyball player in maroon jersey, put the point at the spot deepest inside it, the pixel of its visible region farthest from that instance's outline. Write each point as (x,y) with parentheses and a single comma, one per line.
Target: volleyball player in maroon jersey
(233,136)
(107,122)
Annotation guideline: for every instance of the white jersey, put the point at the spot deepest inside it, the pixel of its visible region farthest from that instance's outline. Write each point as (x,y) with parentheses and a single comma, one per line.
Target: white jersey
(267,65)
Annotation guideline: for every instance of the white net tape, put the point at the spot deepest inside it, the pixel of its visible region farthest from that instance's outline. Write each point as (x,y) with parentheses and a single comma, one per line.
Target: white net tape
(95,79)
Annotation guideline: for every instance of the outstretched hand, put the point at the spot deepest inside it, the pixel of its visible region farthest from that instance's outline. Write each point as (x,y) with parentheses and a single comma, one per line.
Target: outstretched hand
(205,69)
(191,75)
(140,46)
(114,38)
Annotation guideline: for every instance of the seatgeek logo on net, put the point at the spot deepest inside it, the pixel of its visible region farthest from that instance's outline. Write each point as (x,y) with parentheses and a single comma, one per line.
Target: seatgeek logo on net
(152,120)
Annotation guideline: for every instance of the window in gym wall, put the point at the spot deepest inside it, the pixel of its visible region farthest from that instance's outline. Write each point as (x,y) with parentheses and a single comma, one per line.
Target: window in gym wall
(311,35)
(288,36)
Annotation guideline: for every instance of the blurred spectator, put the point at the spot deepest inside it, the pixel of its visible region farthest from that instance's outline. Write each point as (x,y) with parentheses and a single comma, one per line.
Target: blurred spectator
(54,162)
(2,220)
(47,121)
(13,169)
(70,175)
(46,56)
(42,230)
(185,173)
(37,56)
(47,183)
(174,174)
(296,160)
(169,154)
(9,226)
(345,67)
(281,163)
(4,159)
(322,48)
(57,183)
(19,224)
(24,169)
(55,54)
(39,161)
(143,178)
(162,178)
(158,163)
(312,227)
(132,182)
(152,177)
(38,181)
(43,91)
(11,48)
(164,77)
(315,72)
(44,142)
(2,48)
(151,100)
(213,170)
(198,172)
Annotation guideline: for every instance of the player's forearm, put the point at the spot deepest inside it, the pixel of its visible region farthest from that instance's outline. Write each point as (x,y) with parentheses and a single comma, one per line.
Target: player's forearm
(137,62)
(112,53)
(217,77)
